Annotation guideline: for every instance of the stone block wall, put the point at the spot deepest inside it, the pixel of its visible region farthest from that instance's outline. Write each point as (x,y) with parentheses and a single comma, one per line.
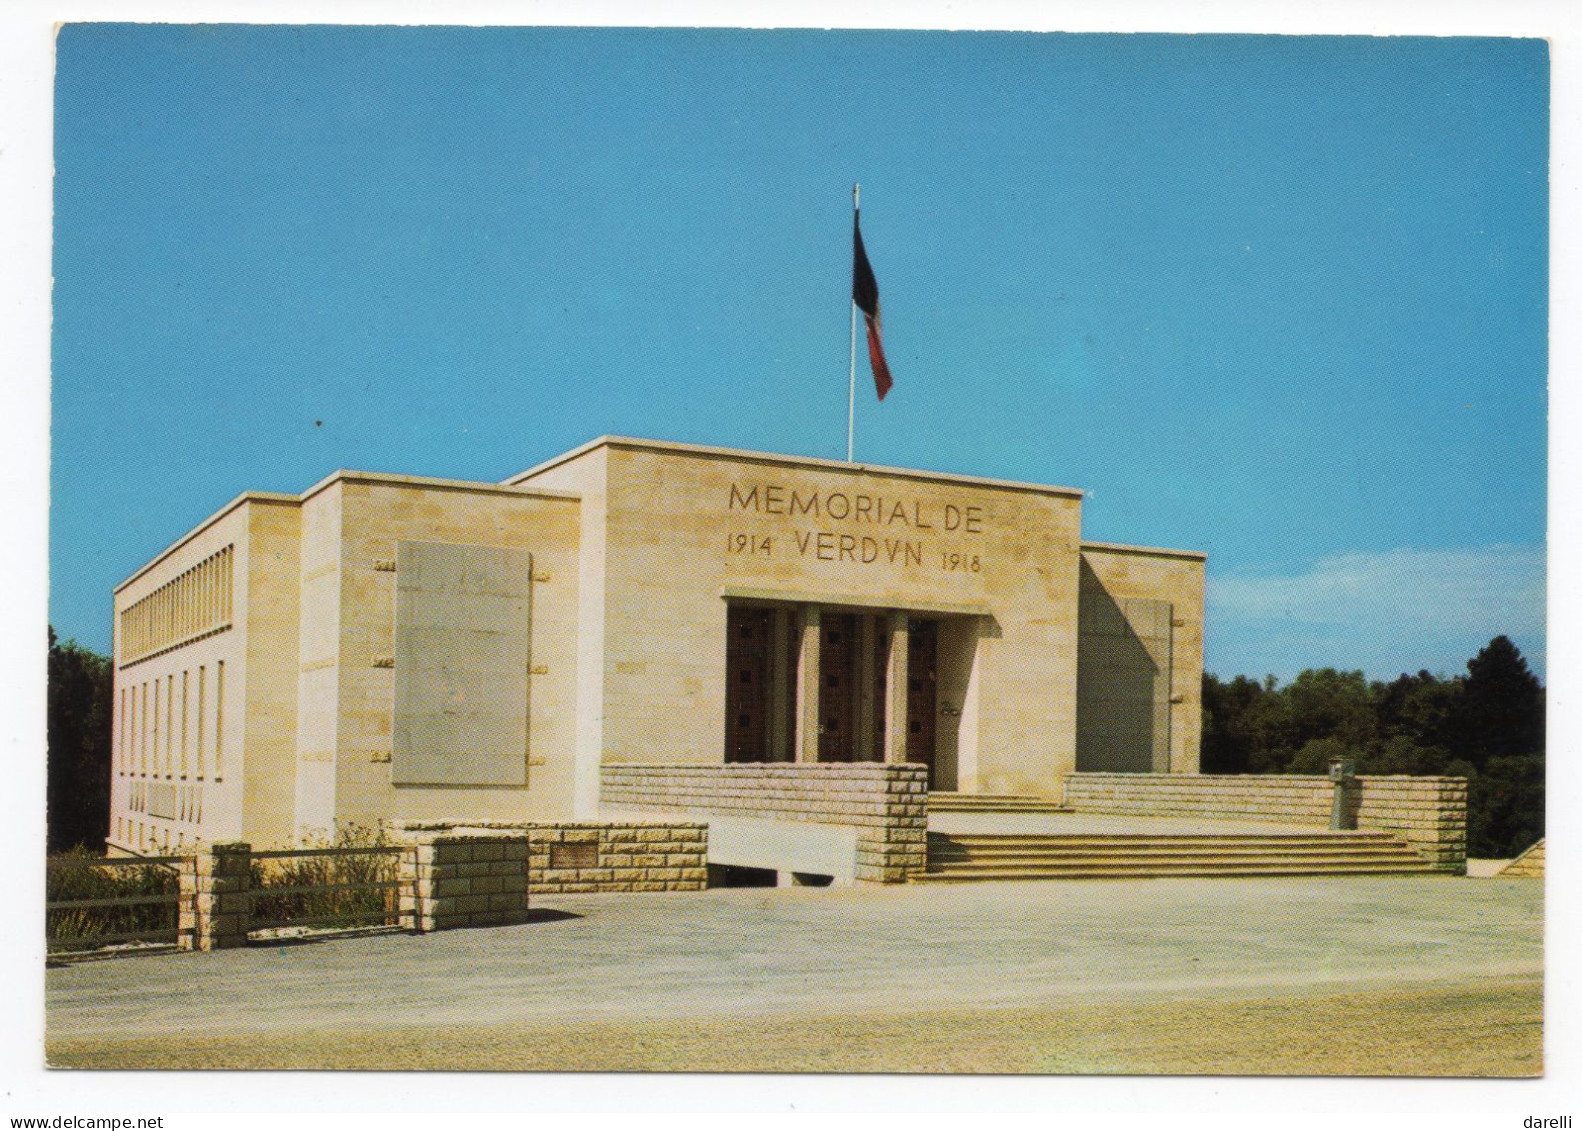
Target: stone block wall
(593,856)
(619,857)
(216,905)
(886,802)
(1429,813)
(1529,864)
(464,879)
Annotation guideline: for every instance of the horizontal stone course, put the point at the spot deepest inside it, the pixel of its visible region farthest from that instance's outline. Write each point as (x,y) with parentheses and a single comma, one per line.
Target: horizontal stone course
(628,856)
(886,802)
(1429,813)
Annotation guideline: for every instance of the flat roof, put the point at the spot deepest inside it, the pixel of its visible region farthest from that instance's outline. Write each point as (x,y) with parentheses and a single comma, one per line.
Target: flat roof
(339,477)
(1149,551)
(744,456)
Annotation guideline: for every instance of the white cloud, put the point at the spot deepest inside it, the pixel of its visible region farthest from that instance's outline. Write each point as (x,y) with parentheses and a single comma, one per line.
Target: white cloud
(1387,612)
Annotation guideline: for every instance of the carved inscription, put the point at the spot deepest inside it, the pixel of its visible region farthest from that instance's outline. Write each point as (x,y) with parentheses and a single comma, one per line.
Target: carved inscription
(839,526)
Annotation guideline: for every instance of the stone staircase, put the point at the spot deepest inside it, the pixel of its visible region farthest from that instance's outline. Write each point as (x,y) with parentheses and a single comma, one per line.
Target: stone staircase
(964,857)
(939,802)
(1529,864)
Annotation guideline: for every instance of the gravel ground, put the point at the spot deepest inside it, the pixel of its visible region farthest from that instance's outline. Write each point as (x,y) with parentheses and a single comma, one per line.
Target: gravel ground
(1372,975)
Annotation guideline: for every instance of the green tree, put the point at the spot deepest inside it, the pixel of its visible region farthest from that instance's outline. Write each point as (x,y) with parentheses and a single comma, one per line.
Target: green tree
(1486,726)
(1420,707)
(1228,738)
(78,730)
(1501,709)
(1326,703)
(1505,806)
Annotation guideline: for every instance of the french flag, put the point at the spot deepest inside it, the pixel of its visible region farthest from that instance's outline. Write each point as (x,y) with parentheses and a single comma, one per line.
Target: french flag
(865,293)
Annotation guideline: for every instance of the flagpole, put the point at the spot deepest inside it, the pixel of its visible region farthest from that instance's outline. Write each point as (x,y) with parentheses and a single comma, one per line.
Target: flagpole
(851,387)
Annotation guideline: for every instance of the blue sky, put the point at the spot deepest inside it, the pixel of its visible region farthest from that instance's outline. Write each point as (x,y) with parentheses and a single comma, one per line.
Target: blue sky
(1280,299)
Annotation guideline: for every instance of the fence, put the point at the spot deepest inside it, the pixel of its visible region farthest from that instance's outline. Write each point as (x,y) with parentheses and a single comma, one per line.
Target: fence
(91,902)
(217,897)
(326,887)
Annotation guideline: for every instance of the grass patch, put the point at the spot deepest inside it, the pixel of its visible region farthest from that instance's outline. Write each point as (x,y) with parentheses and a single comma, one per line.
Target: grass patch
(335,900)
(74,929)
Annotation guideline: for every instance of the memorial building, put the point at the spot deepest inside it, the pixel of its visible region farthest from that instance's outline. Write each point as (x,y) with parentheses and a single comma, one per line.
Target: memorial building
(384,648)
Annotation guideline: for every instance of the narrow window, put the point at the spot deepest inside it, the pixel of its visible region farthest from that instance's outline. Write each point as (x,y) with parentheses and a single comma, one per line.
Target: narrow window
(219,719)
(184,708)
(201,673)
(170,725)
(154,732)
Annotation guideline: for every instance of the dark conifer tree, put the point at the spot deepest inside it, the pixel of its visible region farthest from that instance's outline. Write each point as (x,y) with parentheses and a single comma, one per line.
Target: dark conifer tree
(1501,708)
(78,733)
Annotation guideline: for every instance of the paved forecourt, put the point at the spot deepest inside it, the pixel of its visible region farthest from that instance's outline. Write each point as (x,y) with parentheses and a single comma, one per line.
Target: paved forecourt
(920,977)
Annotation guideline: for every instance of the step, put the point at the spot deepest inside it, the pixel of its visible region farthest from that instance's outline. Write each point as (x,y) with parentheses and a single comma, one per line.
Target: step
(1304,834)
(1060,859)
(965,875)
(949,844)
(992,803)
(1171,862)
(1106,844)
(1185,851)
(951,794)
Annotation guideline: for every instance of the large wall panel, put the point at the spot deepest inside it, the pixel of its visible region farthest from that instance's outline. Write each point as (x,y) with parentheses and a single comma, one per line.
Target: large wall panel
(461,665)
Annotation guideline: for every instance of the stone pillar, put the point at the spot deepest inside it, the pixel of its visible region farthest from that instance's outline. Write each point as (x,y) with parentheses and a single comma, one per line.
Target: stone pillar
(894,846)
(216,905)
(895,687)
(807,685)
(782,687)
(465,880)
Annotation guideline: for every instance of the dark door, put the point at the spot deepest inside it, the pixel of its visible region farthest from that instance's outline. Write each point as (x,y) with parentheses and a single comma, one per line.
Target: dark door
(747,641)
(837,701)
(922,683)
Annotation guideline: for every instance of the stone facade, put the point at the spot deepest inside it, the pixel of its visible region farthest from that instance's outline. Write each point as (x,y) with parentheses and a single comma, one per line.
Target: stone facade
(1139,659)
(887,804)
(1428,813)
(905,616)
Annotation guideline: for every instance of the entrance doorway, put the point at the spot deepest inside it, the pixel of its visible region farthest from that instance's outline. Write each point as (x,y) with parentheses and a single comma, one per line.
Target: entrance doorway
(762,653)
(851,687)
(760,669)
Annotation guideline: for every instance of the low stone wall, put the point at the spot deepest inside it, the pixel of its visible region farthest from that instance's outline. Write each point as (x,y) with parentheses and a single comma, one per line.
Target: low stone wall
(886,803)
(597,856)
(618,857)
(1430,814)
(464,878)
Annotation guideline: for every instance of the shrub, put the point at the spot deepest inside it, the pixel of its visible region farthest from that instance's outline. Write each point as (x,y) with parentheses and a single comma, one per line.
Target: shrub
(76,927)
(329,906)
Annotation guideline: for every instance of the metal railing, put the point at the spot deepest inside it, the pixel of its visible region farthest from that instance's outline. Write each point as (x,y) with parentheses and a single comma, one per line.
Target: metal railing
(327,887)
(85,895)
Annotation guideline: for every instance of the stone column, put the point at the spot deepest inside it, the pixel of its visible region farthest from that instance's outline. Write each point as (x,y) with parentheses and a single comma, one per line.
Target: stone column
(895,687)
(807,685)
(781,687)
(217,905)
